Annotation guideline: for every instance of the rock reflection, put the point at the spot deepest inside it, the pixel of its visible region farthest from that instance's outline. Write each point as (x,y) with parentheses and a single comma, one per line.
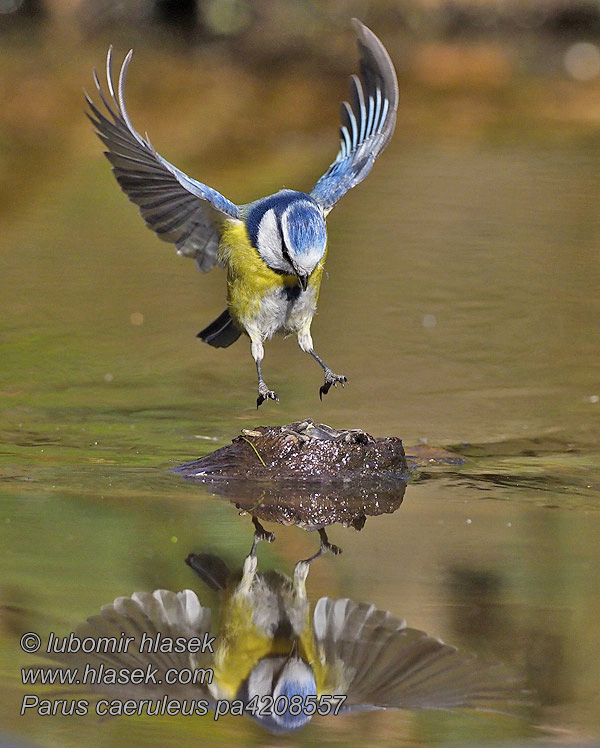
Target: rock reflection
(274,657)
(312,507)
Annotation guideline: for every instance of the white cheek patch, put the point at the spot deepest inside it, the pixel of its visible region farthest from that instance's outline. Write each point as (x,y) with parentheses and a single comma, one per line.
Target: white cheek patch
(268,241)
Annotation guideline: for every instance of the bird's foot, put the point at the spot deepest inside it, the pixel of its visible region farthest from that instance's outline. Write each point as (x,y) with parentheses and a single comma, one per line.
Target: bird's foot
(324,547)
(260,534)
(264,393)
(331,378)
(335,550)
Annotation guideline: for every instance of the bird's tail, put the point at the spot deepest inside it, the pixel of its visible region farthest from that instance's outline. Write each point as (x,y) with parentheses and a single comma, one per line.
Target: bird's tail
(211,570)
(222,332)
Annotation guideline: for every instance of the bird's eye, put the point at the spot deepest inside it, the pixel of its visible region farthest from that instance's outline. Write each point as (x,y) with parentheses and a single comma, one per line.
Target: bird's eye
(285,251)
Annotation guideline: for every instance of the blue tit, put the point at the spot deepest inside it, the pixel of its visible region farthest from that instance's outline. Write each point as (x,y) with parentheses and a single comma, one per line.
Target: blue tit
(272,646)
(266,645)
(273,248)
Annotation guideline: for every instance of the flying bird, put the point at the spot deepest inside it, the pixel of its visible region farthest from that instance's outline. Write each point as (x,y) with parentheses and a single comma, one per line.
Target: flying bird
(273,248)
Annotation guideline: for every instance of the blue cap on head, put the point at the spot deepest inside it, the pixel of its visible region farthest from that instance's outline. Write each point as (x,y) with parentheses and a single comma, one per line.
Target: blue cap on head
(282,679)
(303,229)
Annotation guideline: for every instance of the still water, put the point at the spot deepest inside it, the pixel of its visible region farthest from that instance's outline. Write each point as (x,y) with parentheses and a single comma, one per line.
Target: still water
(462,304)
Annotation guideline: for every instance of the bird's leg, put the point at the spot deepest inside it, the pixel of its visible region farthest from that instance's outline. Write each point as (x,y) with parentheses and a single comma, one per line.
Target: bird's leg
(331,378)
(301,568)
(248,572)
(264,393)
(251,562)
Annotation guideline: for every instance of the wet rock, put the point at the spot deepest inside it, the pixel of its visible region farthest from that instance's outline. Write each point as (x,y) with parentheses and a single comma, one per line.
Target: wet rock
(303,451)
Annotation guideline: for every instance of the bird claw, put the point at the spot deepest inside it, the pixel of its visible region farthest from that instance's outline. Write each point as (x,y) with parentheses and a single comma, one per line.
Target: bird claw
(265,394)
(331,379)
(264,536)
(325,546)
(260,535)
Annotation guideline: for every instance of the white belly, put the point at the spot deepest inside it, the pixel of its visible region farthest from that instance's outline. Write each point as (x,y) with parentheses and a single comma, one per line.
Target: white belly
(284,310)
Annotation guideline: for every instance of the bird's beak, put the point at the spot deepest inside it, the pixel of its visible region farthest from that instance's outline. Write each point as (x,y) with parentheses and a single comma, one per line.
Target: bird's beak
(303,281)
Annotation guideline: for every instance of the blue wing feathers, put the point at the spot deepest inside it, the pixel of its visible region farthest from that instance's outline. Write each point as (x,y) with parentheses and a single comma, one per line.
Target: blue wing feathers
(176,207)
(367,122)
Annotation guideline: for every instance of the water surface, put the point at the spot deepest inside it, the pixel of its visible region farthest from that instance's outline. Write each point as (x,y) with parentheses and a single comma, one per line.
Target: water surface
(461,302)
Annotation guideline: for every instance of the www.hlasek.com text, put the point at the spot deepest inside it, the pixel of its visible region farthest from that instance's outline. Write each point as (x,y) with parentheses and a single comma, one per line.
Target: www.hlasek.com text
(99,674)
(104,675)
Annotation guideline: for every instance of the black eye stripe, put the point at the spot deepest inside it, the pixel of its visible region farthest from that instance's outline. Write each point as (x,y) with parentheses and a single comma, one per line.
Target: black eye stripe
(284,248)
(285,251)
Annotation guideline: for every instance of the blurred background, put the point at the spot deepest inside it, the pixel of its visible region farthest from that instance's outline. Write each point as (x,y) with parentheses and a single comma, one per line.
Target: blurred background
(461,301)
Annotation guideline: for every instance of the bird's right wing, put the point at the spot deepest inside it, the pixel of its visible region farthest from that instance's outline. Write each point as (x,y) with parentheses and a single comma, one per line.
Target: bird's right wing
(378,662)
(178,208)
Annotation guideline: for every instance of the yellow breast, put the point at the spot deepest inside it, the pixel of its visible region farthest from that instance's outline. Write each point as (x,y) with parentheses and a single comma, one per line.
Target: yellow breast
(242,645)
(248,277)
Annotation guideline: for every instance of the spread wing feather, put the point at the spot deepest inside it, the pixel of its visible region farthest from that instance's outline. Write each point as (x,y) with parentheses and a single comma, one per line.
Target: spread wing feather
(378,662)
(179,209)
(368,121)
(144,614)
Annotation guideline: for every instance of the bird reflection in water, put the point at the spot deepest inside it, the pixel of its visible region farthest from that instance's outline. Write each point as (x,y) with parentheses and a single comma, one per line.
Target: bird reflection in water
(279,659)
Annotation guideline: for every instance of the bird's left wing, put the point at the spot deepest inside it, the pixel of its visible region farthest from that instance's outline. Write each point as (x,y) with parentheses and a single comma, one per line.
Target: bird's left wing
(367,122)
(157,632)
(378,662)
(178,208)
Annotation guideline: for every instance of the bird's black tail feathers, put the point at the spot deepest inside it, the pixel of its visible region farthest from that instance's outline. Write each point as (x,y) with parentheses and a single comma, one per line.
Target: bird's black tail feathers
(222,332)
(211,570)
